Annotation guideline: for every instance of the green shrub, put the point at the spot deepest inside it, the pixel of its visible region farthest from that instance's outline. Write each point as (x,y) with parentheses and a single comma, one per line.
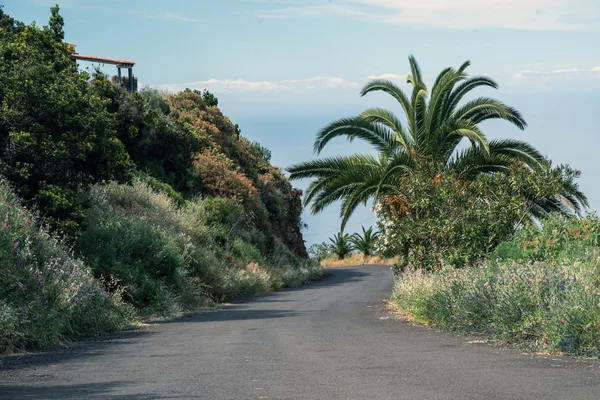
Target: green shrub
(319,251)
(552,303)
(166,258)
(450,220)
(47,295)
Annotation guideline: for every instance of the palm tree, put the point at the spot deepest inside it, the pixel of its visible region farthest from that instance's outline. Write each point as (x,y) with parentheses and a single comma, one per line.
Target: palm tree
(436,123)
(340,245)
(365,243)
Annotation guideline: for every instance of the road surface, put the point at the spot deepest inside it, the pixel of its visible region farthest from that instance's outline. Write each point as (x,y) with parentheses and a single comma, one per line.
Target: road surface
(332,339)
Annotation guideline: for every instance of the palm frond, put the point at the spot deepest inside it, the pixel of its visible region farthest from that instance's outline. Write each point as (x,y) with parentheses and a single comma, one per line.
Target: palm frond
(375,134)
(393,90)
(387,118)
(463,89)
(484,108)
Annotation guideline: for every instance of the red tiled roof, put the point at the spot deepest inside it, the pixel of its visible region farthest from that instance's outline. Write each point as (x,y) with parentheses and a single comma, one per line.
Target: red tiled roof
(102,60)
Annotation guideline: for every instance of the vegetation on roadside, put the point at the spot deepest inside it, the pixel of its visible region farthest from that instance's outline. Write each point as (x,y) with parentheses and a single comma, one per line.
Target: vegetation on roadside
(47,294)
(169,259)
(540,289)
(365,243)
(356,259)
(343,245)
(167,207)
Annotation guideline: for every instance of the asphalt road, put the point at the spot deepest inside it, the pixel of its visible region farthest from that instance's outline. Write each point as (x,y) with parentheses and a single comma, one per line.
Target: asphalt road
(333,339)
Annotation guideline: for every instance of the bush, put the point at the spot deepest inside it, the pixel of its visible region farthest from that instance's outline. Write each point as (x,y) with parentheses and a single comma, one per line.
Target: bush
(550,304)
(166,258)
(47,295)
(320,251)
(449,220)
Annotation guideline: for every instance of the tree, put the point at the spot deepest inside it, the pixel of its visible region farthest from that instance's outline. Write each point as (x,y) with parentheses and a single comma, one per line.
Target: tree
(209,99)
(340,245)
(453,221)
(365,243)
(261,152)
(319,251)
(436,124)
(56,24)
(55,134)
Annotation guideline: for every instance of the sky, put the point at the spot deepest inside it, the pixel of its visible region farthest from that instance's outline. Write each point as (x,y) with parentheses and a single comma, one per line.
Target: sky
(283,69)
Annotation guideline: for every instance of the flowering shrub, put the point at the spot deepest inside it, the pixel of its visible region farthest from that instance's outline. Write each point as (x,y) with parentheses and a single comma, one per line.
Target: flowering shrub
(551,304)
(46,295)
(451,221)
(231,166)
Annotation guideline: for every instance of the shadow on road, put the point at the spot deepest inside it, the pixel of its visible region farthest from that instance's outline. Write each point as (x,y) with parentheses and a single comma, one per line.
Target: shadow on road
(85,391)
(335,277)
(233,313)
(80,350)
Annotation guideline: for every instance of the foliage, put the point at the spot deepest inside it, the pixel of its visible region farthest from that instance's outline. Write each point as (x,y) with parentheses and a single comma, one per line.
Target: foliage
(261,152)
(355,259)
(319,251)
(209,99)
(550,304)
(157,145)
(230,166)
(365,243)
(455,221)
(46,294)
(166,258)
(437,126)
(341,245)
(55,133)
(156,100)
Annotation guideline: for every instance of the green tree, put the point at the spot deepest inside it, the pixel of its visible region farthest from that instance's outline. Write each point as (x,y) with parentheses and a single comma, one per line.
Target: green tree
(340,245)
(453,221)
(157,145)
(319,251)
(261,152)
(209,98)
(55,134)
(436,124)
(56,24)
(365,243)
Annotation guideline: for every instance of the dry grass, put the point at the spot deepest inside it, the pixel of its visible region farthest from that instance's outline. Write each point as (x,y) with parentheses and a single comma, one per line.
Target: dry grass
(356,259)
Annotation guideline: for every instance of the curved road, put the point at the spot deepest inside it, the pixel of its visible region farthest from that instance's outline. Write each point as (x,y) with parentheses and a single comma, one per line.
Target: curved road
(328,340)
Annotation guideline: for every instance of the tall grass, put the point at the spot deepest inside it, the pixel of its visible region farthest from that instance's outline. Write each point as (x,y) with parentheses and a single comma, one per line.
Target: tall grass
(46,294)
(356,259)
(167,258)
(541,290)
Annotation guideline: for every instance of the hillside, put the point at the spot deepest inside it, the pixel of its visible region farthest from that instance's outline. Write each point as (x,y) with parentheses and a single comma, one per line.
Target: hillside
(167,207)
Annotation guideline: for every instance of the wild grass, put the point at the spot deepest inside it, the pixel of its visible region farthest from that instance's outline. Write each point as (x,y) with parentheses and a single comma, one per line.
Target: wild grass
(46,294)
(539,290)
(356,259)
(166,259)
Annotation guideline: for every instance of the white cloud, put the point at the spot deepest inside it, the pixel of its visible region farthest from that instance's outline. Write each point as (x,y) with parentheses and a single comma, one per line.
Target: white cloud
(241,85)
(563,71)
(459,14)
(389,77)
(544,80)
(539,79)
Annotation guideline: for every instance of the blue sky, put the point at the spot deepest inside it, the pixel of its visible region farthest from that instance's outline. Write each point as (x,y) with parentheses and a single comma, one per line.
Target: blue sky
(284,68)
